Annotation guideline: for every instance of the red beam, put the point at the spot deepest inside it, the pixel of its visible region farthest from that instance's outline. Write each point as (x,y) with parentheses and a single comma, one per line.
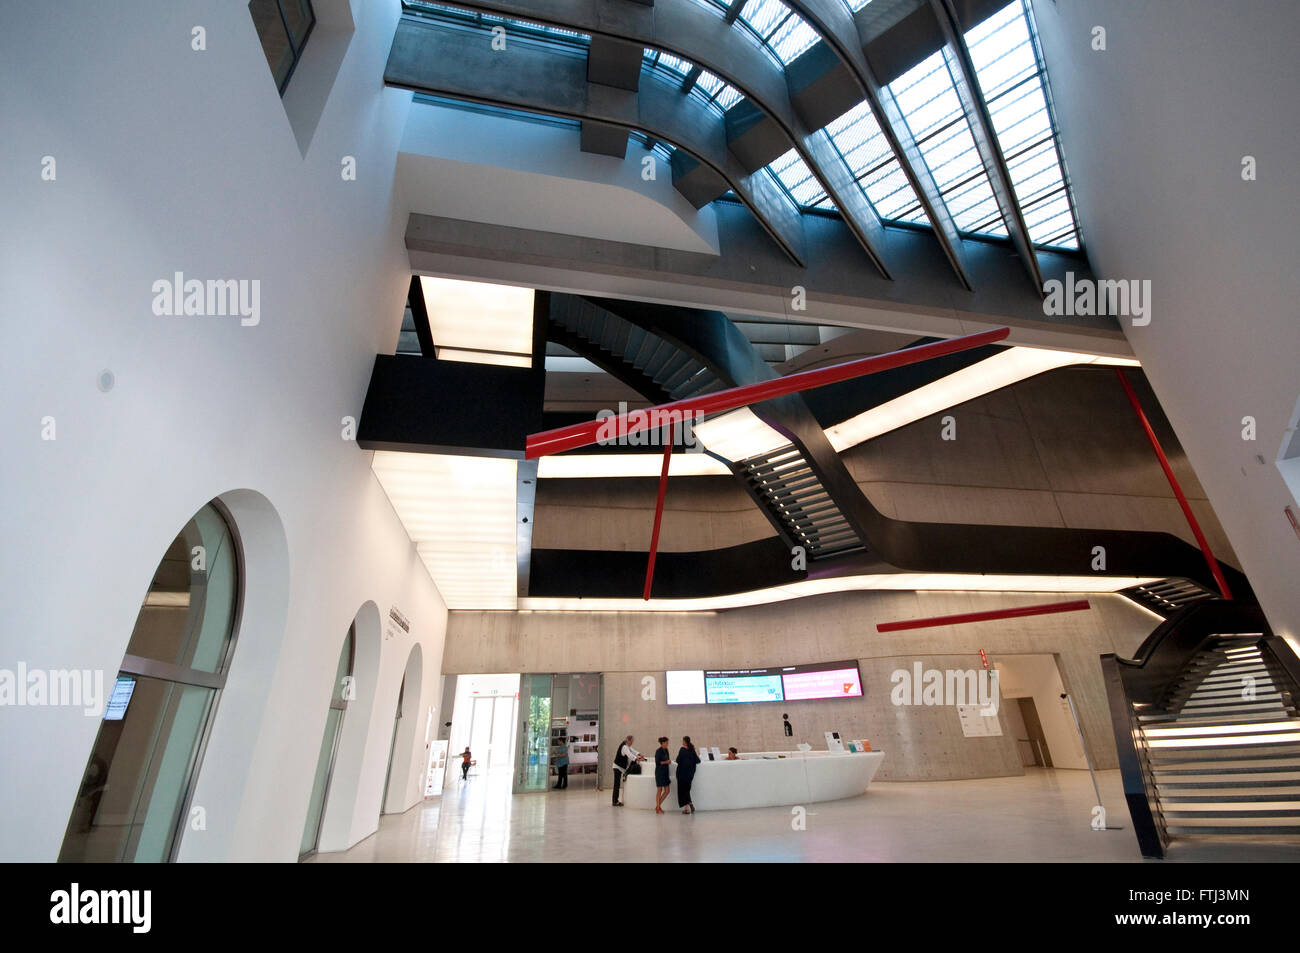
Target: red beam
(1213,563)
(659,512)
(584,434)
(1075,606)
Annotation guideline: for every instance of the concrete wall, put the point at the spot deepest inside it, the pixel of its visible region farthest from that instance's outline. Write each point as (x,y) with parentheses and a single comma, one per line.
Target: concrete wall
(1061,449)
(167,159)
(921,742)
(1154,130)
(508,171)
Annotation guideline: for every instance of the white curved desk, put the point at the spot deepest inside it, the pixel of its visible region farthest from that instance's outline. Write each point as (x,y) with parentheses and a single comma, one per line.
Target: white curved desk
(759,781)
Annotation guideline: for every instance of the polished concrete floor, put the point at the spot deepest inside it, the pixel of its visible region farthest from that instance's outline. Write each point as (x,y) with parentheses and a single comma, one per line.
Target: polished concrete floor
(1043,816)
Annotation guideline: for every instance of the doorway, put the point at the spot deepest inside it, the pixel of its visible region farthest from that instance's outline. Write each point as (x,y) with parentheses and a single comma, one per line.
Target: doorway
(1041,717)
(1033,738)
(483,719)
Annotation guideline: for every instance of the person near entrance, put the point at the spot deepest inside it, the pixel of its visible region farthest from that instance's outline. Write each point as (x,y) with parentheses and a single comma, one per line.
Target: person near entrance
(562,768)
(464,767)
(662,760)
(625,762)
(687,759)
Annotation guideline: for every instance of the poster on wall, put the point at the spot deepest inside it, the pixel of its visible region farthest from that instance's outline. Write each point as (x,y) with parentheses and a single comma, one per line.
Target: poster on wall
(437,766)
(976,724)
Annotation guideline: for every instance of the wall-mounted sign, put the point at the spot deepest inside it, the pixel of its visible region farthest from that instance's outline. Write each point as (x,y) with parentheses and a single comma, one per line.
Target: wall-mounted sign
(396,624)
(976,724)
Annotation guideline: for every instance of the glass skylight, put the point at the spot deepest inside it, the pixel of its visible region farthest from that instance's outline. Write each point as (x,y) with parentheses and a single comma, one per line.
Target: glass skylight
(864,147)
(716,92)
(798,180)
(1010,76)
(657,59)
(469,16)
(782,31)
(932,110)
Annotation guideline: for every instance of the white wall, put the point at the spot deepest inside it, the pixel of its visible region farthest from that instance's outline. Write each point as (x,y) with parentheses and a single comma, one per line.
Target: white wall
(171,159)
(1154,129)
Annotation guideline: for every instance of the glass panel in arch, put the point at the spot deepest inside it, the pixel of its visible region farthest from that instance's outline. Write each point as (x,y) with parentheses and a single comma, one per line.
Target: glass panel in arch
(128,807)
(188,615)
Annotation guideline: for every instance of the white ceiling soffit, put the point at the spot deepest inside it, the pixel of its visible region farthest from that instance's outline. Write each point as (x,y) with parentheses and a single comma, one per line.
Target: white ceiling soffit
(460,513)
(949,582)
(746,437)
(505,170)
(479,322)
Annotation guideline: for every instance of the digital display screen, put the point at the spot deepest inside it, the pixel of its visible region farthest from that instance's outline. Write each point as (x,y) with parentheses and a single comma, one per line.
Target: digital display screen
(835,680)
(115,710)
(789,683)
(753,685)
(684,687)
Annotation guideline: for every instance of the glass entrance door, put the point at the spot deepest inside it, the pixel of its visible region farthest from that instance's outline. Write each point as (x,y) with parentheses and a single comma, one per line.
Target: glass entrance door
(491,733)
(533,767)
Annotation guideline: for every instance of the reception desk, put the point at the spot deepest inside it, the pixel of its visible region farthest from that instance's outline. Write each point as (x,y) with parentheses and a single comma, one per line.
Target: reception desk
(762,779)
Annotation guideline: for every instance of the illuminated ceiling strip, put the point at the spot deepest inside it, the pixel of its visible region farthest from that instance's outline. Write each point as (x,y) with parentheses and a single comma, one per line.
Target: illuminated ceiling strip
(993,373)
(953,582)
(1001,370)
(605,465)
(460,513)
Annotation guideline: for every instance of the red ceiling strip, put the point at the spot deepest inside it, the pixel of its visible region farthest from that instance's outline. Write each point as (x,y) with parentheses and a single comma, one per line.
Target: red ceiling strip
(586,433)
(1075,606)
(659,512)
(1213,563)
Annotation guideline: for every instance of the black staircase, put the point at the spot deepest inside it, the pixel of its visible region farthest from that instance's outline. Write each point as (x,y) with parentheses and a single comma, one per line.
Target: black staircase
(1207,728)
(642,359)
(1168,595)
(786,485)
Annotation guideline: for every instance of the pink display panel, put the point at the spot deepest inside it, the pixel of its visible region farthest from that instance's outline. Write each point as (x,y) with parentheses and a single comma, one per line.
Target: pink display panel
(831,683)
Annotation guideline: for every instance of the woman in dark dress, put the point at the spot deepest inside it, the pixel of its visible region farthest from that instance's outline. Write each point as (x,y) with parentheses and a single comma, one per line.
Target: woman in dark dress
(662,759)
(687,759)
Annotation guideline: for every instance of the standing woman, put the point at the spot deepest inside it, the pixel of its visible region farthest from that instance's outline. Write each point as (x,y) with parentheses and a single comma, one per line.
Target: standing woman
(687,759)
(662,760)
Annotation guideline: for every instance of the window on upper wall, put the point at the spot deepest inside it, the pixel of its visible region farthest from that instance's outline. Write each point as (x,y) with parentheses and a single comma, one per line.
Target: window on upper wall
(283,27)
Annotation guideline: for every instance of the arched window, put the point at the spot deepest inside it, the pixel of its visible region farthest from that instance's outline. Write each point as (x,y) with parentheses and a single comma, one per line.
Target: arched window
(134,796)
(343,693)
